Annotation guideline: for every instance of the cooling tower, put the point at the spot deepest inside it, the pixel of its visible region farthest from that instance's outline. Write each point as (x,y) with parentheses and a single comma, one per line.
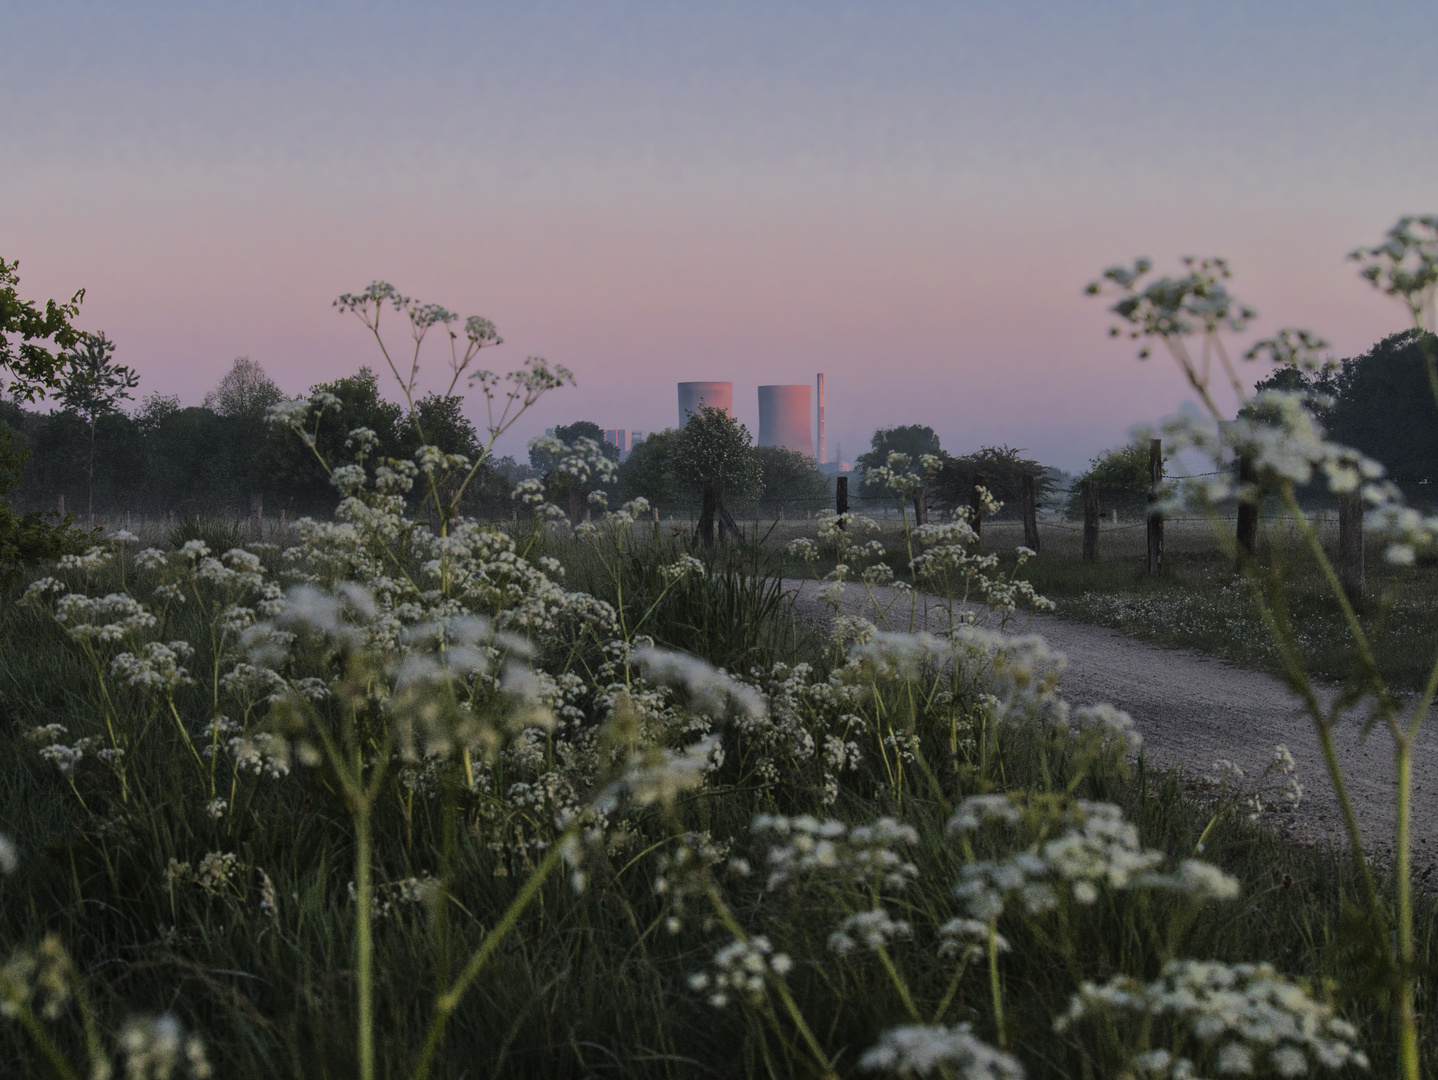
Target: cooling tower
(717,395)
(784,417)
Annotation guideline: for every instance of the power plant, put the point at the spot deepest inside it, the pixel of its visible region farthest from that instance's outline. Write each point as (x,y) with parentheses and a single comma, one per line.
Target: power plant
(785,414)
(694,395)
(784,417)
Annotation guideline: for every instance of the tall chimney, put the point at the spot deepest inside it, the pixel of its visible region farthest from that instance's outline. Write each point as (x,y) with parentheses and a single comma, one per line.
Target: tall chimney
(823,455)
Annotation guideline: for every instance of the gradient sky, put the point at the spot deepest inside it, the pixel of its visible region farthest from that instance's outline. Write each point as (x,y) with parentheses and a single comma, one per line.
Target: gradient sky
(907,196)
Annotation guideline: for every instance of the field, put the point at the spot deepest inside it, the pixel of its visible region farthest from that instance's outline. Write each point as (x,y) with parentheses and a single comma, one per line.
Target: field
(676,831)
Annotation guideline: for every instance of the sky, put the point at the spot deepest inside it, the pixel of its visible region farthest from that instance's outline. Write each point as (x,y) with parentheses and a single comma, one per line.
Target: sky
(908,197)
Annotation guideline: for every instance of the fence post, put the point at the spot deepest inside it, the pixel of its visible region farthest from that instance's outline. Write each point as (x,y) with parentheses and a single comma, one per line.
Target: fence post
(1031,515)
(1350,544)
(1090,519)
(1155,519)
(60,505)
(1247,511)
(921,506)
(841,498)
(976,508)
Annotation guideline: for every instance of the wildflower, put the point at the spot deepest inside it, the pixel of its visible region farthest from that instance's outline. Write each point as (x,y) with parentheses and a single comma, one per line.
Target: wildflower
(1256,1013)
(156,1047)
(969,938)
(871,929)
(741,968)
(156,669)
(864,854)
(922,1049)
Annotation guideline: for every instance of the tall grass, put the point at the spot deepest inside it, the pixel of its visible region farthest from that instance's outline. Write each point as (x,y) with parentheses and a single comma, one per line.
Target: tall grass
(592,982)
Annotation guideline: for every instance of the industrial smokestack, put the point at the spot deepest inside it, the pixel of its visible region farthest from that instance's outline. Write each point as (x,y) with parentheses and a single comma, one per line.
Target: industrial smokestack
(784,413)
(694,395)
(823,449)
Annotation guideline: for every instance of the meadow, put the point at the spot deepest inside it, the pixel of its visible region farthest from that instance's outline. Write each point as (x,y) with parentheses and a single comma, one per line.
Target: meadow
(532,801)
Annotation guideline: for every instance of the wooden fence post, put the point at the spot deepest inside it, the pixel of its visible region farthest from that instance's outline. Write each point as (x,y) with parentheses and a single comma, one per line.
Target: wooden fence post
(60,505)
(1247,512)
(1155,519)
(841,498)
(1350,544)
(921,506)
(1031,515)
(976,508)
(1090,519)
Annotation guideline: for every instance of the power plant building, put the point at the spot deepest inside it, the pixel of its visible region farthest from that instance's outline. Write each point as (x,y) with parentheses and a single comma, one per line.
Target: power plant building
(695,395)
(784,413)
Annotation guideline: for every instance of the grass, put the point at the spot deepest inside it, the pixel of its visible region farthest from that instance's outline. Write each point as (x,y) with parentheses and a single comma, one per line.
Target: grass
(591,983)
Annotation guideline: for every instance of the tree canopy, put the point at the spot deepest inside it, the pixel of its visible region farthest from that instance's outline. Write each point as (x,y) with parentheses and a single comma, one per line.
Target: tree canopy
(245,390)
(1379,402)
(1123,480)
(26,364)
(912,440)
(1003,469)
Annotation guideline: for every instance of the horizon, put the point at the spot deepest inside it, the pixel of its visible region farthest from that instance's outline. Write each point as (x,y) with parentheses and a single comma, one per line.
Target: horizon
(909,199)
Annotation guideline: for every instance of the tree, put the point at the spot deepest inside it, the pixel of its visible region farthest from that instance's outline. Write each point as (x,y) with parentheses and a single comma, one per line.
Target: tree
(648,472)
(245,390)
(1123,480)
(93,386)
(1003,469)
(912,440)
(30,367)
(288,469)
(1382,405)
(714,457)
(543,459)
(789,477)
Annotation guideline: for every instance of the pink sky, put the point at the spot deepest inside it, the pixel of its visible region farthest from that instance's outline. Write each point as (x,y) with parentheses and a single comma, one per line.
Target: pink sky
(921,234)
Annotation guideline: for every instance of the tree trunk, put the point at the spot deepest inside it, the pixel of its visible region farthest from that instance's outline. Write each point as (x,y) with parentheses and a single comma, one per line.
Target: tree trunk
(1247,512)
(1089,488)
(705,529)
(1155,519)
(1031,515)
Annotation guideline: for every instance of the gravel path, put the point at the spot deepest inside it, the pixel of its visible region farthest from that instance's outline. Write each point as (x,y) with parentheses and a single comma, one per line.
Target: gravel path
(1193,709)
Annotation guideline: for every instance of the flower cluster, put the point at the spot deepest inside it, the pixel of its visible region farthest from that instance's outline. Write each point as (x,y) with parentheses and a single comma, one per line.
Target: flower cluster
(1246,1018)
(741,969)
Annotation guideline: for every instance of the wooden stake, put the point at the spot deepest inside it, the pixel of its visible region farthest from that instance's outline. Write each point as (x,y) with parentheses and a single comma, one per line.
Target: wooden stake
(976,508)
(1350,544)
(1155,519)
(841,498)
(1089,488)
(1247,512)
(1031,515)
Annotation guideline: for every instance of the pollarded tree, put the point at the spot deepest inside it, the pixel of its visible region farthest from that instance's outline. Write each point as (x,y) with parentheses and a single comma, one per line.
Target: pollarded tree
(714,458)
(93,386)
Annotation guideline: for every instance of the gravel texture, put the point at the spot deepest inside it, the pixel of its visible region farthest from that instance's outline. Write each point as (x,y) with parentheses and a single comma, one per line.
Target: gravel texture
(1193,710)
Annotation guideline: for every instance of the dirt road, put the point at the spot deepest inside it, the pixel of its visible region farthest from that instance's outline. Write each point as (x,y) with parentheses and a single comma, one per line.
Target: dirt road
(1193,709)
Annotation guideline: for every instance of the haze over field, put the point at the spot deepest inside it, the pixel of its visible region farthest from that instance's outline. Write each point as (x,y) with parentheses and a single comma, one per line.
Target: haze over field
(909,197)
